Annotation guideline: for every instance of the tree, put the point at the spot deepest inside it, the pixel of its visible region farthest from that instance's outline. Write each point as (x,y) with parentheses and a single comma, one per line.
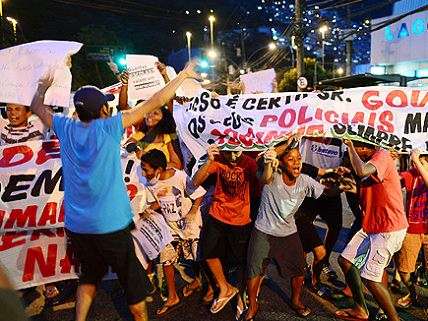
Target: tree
(288,82)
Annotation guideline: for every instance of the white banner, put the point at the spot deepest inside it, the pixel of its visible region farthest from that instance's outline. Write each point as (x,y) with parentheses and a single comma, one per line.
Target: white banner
(392,117)
(144,77)
(22,66)
(32,241)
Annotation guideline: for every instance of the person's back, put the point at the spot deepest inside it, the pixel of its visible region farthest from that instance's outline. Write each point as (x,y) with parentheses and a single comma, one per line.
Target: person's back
(96,200)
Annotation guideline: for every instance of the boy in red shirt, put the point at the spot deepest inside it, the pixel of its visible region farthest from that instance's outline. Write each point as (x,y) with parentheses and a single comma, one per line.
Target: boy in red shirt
(226,231)
(416,184)
(383,230)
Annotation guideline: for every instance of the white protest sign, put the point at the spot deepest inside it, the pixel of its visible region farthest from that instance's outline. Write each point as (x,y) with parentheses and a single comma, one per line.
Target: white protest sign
(391,117)
(144,77)
(189,88)
(21,68)
(152,234)
(259,81)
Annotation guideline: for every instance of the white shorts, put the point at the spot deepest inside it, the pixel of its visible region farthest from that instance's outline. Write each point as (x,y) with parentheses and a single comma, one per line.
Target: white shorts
(371,253)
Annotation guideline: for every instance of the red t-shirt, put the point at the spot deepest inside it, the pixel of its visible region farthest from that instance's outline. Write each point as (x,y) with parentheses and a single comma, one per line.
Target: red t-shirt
(381,198)
(231,198)
(416,202)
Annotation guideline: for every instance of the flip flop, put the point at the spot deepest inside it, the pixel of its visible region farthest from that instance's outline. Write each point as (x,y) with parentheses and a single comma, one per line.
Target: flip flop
(344,315)
(167,309)
(302,312)
(219,304)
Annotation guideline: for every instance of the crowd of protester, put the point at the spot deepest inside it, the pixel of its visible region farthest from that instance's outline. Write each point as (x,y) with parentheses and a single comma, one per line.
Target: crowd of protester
(237,213)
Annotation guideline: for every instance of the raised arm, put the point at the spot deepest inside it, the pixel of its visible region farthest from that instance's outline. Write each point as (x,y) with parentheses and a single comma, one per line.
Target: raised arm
(361,169)
(269,164)
(136,114)
(421,165)
(37,105)
(203,172)
(123,94)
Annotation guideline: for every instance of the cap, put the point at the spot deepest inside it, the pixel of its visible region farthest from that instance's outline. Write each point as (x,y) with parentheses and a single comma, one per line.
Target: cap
(91,98)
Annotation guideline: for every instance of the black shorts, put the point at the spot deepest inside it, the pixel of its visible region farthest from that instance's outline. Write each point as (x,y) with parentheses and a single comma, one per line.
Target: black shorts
(287,253)
(328,208)
(96,252)
(224,241)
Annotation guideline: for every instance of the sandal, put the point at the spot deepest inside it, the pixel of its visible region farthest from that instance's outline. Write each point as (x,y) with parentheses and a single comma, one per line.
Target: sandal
(166,309)
(346,315)
(302,311)
(220,303)
(404,302)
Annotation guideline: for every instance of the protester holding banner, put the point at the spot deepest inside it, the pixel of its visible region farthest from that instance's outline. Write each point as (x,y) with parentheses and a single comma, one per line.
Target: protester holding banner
(226,231)
(90,152)
(180,205)
(321,153)
(416,184)
(383,230)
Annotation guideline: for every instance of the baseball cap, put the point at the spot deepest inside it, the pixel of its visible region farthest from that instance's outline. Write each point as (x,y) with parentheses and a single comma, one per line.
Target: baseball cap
(91,98)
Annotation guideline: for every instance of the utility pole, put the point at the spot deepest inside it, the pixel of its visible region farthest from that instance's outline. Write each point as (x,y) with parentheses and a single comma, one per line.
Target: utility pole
(298,33)
(348,57)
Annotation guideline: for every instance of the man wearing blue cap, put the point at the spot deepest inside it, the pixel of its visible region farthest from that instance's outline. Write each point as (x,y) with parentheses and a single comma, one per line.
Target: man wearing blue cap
(98,216)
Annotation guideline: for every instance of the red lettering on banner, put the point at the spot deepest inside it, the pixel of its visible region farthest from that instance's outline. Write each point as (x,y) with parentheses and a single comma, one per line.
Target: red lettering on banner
(11,239)
(371,104)
(45,232)
(302,119)
(285,113)
(415,97)
(386,119)
(68,261)
(50,150)
(318,114)
(132,191)
(61,213)
(329,114)
(372,119)
(22,218)
(35,256)
(9,154)
(232,135)
(2,213)
(396,95)
(268,119)
(48,214)
(315,130)
(358,118)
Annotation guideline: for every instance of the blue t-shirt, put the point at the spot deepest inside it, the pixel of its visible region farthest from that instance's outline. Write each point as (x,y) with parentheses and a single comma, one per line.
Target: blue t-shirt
(95,196)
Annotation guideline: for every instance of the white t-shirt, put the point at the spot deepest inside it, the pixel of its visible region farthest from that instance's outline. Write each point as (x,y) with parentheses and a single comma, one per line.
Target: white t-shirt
(322,154)
(175,196)
(280,202)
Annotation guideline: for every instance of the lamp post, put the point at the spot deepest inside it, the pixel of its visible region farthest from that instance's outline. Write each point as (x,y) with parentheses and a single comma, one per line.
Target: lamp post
(14,22)
(323,30)
(1,8)
(189,51)
(211,19)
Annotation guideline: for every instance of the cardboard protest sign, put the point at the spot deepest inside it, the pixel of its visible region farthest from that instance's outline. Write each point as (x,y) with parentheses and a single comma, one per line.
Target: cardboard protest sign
(32,240)
(21,68)
(391,117)
(259,82)
(144,78)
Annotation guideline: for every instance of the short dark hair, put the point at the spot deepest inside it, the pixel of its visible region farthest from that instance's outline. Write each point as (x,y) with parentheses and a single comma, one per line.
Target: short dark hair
(86,115)
(155,158)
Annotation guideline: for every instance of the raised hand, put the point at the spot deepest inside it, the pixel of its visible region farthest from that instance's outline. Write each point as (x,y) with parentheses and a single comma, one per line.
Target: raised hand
(161,67)
(212,151)
(189,70)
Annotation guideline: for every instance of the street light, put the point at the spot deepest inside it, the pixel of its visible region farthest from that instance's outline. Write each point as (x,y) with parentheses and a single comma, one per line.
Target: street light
(14,22)
(212,54)
(272,46)
(323,29)
(1,9)
(340,71)
(211,19)
(189,36)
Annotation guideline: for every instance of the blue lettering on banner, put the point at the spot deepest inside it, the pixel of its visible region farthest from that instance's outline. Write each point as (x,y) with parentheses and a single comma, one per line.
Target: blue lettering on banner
(324,151)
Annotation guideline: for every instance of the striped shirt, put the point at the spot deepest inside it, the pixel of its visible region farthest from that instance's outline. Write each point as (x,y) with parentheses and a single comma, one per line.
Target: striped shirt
(13,135)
